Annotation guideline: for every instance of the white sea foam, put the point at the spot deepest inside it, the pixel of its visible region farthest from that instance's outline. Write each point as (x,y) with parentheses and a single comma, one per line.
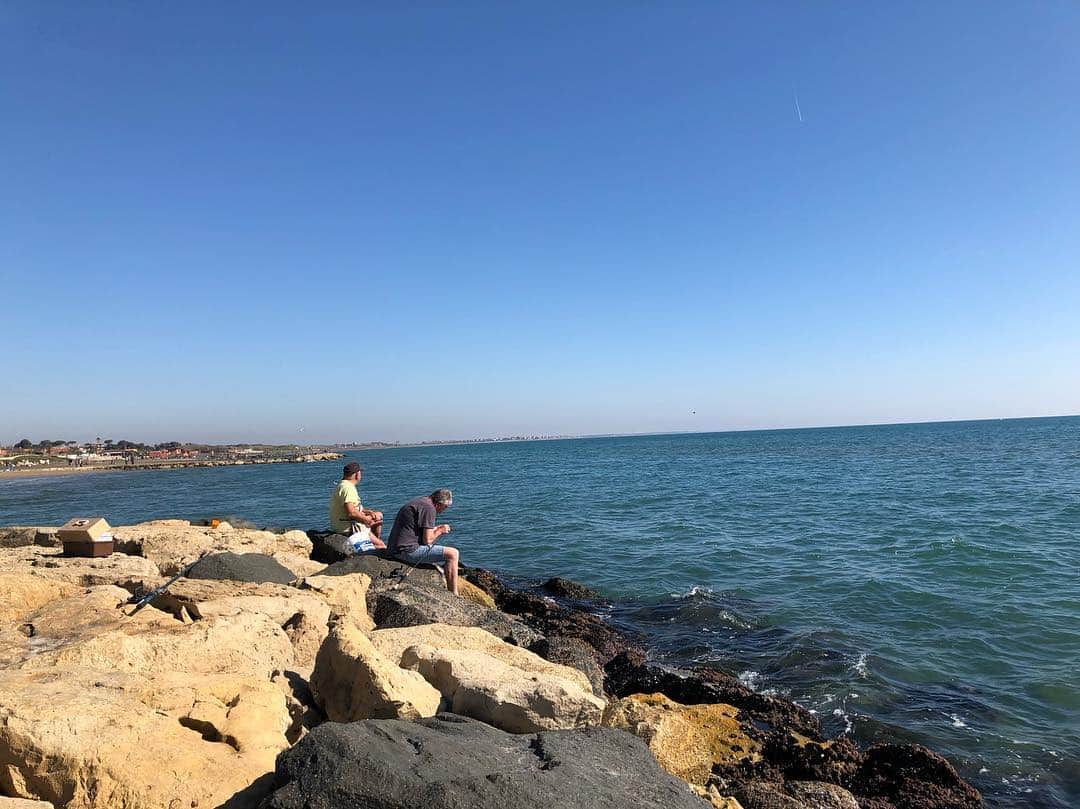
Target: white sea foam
(849,725)
(957,722)
(860,666)
(751,679)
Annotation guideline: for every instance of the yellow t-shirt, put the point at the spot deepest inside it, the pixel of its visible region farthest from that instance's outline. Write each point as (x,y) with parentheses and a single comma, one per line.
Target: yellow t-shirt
(340,522)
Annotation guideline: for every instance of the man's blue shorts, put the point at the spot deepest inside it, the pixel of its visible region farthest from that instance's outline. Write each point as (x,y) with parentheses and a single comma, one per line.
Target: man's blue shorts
(424,555)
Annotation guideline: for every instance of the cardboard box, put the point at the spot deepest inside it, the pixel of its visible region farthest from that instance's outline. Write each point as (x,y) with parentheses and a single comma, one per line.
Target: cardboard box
(86,536)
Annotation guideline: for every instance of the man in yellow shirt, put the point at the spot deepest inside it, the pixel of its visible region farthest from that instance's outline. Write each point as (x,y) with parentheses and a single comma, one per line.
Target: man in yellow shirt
(349,517)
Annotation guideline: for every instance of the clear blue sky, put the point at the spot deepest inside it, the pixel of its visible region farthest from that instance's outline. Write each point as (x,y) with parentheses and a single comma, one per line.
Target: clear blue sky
(403,221)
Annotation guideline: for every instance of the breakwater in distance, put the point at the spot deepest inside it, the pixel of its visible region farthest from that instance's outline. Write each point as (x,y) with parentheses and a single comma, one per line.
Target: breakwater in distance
(910,583)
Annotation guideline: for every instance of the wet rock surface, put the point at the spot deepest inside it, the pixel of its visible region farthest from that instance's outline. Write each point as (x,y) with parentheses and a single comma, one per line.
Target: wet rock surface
(449,762)
(550,618)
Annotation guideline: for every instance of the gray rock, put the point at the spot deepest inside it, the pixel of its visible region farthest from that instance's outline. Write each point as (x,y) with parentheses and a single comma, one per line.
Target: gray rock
(386,573)
(572,652)
(411,604)
(449,762)
(253,567)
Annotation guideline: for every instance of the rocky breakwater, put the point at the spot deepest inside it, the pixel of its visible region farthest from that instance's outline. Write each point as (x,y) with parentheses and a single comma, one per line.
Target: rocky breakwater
(266,678)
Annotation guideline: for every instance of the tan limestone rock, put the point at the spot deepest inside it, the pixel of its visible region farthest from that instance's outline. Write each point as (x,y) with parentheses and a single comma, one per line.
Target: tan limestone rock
(394,642)
(715,799)
(129,572)
(171,544)
(687,740)
(485,678)
(88,739)
(23,593)
(345,595)
(95,629)
(303,616)
(353,681)
(23,803)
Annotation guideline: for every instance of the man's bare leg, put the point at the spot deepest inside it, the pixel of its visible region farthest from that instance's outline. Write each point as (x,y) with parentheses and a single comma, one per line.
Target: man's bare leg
(451,559)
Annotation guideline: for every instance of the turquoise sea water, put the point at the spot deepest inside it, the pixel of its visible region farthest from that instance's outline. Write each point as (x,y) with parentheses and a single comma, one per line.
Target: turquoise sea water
(908,583)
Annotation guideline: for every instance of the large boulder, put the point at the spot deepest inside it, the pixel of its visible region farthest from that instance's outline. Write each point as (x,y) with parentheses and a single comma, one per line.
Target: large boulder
(395,642)
(450,762)
(130,572)
(410,605)
(908,776)
(346,596)
(172,544)
(95,629)
(572,652)
(304,616)
(250,567)
(386,573)
(687,740)
(487,679)
(352,680)
(90,739)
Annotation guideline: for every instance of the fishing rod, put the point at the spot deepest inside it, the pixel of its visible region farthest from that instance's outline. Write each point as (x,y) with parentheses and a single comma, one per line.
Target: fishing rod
(146,599)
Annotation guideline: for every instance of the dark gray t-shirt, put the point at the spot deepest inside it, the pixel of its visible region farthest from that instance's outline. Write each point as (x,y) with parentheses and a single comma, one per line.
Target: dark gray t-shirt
(409,524)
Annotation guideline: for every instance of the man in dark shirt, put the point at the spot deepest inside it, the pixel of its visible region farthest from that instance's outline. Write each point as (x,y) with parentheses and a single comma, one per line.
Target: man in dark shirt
(413,537)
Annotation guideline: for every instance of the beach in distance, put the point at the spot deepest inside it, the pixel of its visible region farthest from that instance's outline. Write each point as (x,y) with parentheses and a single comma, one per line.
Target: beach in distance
(904,583)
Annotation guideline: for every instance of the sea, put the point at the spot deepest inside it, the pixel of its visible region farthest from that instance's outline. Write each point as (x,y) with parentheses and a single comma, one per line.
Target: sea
(908,583)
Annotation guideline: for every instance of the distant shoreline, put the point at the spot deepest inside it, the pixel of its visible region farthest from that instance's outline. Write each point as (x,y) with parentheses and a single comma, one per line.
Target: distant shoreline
(47,471)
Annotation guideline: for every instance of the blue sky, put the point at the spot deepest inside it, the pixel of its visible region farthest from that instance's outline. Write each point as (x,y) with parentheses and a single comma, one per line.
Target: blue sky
(411,221)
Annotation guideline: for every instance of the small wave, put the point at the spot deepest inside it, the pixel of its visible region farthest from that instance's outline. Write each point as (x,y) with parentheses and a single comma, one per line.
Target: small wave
(697,591)
(849,724)
(957,722)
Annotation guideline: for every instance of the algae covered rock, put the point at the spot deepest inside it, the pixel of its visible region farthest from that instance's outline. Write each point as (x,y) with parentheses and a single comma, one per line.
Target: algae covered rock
(449,762)
(687,740)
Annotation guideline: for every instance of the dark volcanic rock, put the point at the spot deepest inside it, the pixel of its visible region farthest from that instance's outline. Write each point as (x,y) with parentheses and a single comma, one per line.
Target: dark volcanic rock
(564,588)
(908,776)
(572,652)
(801,759)
(449,763)
(410,605)
(629,673)
(253,567)
(548,618)
(385,572)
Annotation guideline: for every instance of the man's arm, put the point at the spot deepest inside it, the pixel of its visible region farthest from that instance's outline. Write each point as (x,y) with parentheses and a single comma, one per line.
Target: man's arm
(432,534)
(357,514)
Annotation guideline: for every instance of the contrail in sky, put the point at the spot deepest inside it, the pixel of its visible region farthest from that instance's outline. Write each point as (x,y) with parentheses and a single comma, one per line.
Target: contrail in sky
(798,109)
